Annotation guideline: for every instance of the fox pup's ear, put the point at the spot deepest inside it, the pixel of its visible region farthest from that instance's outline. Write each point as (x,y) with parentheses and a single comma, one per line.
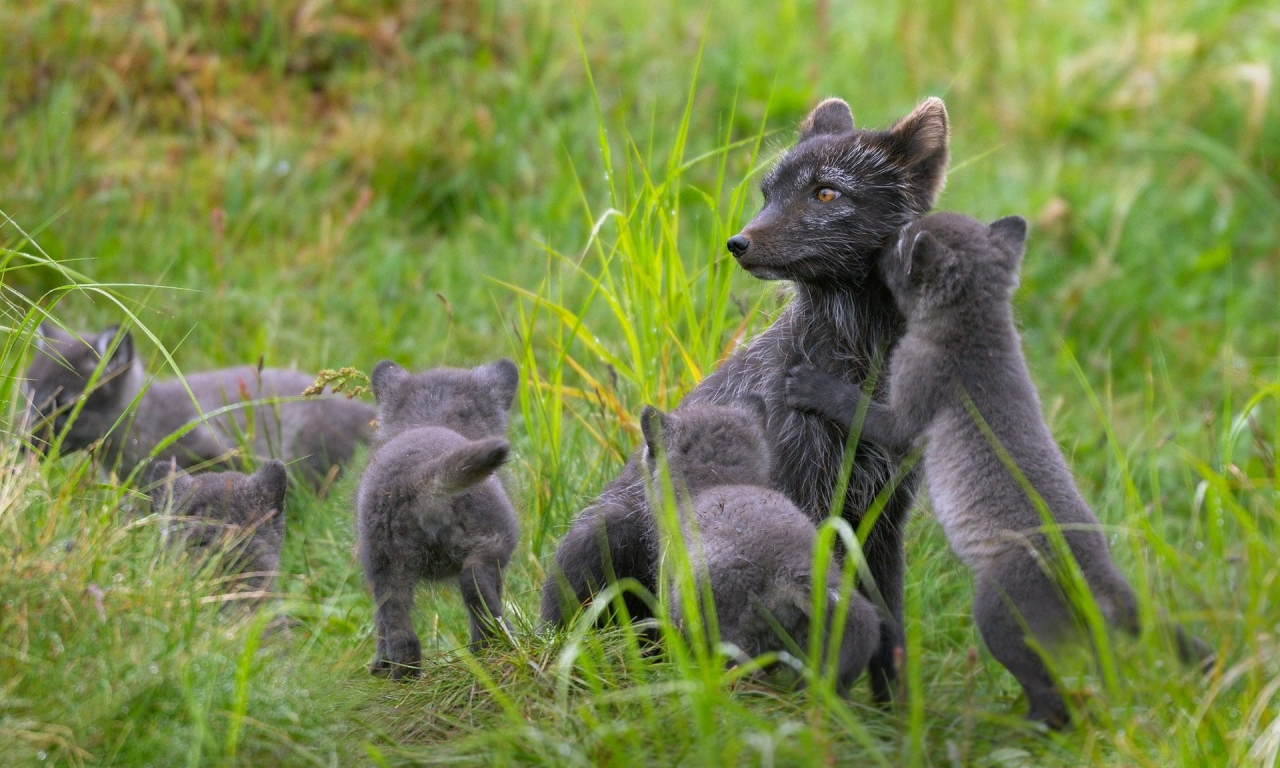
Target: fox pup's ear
(44,334)
(123,355)
(653,425)
(830,117)
(387,375)
(754,404)
(167,486)
(919,142)
(933,265)
(1011,233)
(505,377)
(273,483)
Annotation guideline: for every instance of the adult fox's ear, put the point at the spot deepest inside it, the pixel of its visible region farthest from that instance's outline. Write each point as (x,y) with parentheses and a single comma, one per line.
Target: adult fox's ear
(387,375)
(123,354)
(1011,233)
(653,425)
(505,377)
(920,143)
(832,116)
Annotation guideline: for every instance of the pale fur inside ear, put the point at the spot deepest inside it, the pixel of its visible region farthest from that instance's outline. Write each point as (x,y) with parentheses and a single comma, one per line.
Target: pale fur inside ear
(123,354)
(925,132)
(832,116)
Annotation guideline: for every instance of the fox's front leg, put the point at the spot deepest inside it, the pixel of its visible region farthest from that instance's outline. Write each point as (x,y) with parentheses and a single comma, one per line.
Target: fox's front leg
(813,390)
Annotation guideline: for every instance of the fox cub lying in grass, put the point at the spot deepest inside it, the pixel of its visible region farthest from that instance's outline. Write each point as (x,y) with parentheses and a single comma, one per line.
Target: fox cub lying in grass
(231,515)
(104,372)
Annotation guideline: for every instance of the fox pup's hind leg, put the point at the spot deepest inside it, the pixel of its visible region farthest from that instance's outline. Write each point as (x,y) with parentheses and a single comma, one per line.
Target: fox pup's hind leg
(399,653)
(1014,597)
(481,584)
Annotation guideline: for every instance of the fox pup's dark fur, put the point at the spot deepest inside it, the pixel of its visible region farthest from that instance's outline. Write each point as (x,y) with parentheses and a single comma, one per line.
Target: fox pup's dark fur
(429,505)
(953,278)
(831,203)
(312,435)
(239,515)
(751,544)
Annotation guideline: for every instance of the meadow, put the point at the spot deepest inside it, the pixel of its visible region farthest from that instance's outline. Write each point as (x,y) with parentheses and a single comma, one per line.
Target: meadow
(325,184)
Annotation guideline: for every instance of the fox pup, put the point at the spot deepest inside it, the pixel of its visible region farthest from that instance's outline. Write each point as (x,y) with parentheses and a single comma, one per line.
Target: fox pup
(312,435)
(749,541)
(238,514)
(958,383)
(429,505)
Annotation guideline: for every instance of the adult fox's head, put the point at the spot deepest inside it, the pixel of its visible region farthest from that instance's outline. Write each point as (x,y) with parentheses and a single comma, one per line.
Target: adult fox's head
(841,193)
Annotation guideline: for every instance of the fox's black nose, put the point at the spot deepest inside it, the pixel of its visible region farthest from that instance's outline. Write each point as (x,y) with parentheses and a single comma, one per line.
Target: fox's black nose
(738,244)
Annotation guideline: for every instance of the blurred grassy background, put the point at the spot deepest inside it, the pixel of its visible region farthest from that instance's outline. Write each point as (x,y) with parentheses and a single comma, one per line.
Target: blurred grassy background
(333,182)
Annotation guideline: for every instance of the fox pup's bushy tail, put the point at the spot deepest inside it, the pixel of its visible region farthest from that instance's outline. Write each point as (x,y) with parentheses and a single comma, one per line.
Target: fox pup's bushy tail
(463,467)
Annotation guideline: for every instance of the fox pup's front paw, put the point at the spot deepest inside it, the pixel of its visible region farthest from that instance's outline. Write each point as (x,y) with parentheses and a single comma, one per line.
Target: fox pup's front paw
(812,389)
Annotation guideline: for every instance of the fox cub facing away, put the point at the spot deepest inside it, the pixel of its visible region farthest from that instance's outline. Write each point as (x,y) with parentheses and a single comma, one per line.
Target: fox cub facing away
(312,435)
(751,543)
(958,382)
(429,504)
(240,516)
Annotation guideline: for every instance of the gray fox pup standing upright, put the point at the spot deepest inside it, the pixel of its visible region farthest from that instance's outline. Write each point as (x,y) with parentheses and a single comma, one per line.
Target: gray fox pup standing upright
(313,435)
(239,515)
(830,204)
(958,382)
(749,541)
(429,505)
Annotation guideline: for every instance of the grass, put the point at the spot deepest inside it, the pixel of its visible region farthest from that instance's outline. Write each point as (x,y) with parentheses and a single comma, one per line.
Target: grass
(323,185)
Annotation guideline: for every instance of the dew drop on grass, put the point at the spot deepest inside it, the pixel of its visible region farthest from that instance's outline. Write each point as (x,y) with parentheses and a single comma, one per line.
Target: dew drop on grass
(153,668)
(282,167)
(1199,545)
(119,577)
(42,755)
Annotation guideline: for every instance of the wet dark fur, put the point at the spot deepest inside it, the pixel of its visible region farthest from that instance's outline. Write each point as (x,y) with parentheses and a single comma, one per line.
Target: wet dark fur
(311,435)
(429,504)
(841,319)
(749,542)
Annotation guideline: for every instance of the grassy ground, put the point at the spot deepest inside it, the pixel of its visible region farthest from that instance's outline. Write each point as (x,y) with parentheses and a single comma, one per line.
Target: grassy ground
(324,184)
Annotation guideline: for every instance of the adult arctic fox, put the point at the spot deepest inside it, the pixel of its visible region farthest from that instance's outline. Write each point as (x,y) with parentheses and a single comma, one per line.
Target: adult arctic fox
(958,382)
(429,505)
(312,435)
(751,544)
(830,205)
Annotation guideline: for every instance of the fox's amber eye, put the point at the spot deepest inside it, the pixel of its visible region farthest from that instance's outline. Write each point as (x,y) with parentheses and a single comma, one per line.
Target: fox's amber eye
(826,195)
